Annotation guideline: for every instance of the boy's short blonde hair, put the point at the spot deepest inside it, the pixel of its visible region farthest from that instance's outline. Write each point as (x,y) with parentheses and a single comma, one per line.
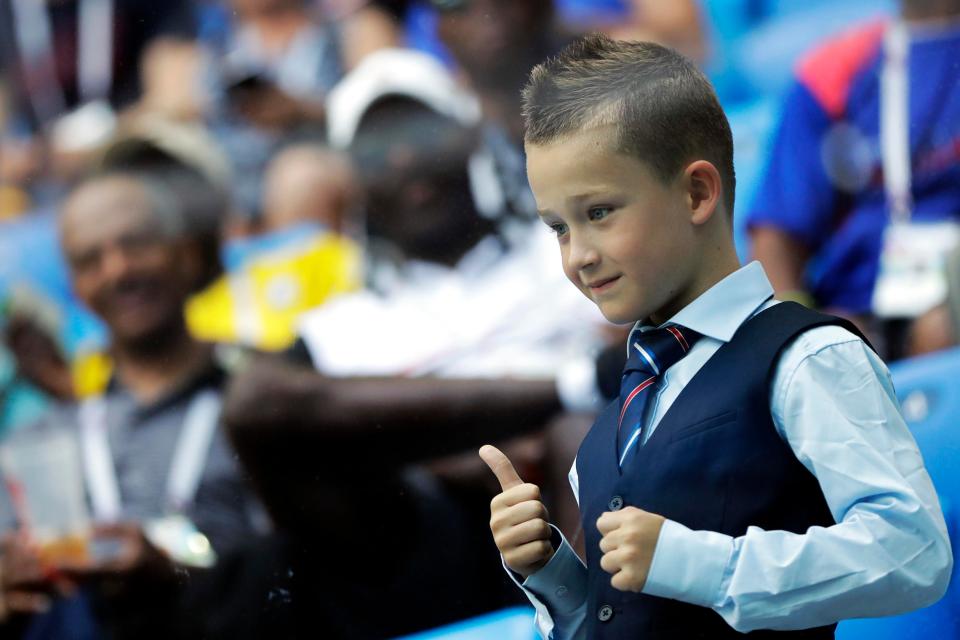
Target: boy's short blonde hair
(665,111)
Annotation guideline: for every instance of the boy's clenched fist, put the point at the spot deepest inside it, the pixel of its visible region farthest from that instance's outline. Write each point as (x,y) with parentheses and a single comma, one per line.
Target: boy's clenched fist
(629,540)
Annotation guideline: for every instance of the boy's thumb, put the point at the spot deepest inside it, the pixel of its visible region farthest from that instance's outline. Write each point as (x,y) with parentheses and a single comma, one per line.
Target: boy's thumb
(501,467)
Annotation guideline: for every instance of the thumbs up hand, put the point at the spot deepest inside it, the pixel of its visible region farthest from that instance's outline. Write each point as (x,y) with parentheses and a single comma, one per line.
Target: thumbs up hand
(518,518)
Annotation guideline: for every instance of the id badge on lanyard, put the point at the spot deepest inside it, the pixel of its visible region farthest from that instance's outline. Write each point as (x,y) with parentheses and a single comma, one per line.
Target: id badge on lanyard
(173,532)
(912,272)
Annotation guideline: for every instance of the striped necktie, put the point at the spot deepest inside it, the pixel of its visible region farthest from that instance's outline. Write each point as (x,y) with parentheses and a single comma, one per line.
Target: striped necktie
(651,354)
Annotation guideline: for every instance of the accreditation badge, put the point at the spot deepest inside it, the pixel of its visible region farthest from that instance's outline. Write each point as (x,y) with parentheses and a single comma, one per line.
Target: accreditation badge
(181,540)
(912,276)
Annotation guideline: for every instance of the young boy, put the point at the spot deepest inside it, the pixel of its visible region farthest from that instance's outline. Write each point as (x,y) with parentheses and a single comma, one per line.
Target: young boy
(756,465)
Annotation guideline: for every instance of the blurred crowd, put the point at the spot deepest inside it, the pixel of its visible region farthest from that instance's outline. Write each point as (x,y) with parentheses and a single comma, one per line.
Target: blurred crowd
(270,271)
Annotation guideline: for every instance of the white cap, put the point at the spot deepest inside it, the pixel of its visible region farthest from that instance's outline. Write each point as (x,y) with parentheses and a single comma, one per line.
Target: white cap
(395,72)
(189,143)
(86,128)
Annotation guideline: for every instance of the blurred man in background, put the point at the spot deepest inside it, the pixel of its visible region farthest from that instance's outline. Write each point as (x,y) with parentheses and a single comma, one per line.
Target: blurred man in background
(819,219)
(134,263)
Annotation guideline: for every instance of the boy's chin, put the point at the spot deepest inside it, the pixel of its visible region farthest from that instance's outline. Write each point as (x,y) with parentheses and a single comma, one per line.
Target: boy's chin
(617,314)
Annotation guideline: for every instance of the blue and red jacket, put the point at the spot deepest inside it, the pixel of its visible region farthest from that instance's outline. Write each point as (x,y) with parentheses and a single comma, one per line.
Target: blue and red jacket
(824,180)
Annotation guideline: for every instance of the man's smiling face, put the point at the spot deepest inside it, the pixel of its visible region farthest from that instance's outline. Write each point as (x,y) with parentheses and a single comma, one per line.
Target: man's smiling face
(127,264)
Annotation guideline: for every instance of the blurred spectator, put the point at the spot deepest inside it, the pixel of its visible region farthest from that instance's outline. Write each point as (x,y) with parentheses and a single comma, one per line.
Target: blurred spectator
(33,369)
(133,264)
(32,326)
(61,55)
(20,403)
(309,184)
(366,26)
(413,133)
(70,66)
(186,158)
(818,221)
(296,262)
(675,24)
(39,359)
(273,73)
(496,43)
(40,320)
(281,46)
(172,74)
(275,66)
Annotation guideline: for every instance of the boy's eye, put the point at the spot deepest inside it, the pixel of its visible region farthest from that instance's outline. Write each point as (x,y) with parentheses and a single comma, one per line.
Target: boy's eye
(598,213)
(558,228)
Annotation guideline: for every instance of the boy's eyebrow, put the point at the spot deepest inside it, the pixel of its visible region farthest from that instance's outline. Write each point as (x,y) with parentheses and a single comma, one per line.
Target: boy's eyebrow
(574,199)
(583,196)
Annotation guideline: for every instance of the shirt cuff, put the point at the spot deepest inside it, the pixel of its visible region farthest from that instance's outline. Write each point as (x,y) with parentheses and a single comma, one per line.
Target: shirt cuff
(577,386)
(561,584)
(689,565)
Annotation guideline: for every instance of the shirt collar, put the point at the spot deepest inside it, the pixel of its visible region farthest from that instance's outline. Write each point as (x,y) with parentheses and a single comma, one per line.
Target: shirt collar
(720,310)
(211,375)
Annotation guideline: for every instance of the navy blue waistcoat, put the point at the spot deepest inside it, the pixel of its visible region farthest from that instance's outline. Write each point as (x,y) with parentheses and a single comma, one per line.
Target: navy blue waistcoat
(715,463)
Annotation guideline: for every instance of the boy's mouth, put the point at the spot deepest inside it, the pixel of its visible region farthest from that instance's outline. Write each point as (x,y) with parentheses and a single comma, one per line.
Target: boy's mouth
(599,286)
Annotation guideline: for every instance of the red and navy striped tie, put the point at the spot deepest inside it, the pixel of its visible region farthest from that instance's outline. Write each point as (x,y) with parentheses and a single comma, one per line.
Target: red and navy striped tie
(651,354)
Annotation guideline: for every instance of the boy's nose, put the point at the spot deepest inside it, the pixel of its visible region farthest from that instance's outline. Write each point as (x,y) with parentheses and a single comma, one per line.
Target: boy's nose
(582,256)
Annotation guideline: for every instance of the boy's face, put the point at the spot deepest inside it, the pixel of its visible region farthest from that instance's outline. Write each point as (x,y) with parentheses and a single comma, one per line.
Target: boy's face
(626,238)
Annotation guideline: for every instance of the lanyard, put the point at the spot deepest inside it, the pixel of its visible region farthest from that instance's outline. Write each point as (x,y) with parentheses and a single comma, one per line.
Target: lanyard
(34,34)
(895,122)
(186,468)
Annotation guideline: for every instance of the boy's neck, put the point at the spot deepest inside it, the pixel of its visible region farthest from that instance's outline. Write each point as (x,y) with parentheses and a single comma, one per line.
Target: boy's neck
(723,262)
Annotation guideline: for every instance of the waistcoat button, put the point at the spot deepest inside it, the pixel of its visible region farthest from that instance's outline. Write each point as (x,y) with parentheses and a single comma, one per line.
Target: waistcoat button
(605,613)
(616,503)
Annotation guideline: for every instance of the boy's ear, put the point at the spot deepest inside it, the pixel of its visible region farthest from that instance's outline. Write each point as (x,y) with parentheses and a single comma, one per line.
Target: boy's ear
(704,190)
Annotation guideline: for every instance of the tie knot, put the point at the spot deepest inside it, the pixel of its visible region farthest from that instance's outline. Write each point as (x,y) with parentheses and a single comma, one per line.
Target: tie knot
(657,350)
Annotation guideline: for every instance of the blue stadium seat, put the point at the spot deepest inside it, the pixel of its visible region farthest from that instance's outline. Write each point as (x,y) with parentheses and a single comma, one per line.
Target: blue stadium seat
(509,624)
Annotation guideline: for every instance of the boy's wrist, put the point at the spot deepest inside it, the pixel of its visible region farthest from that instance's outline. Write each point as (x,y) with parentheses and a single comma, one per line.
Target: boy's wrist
(561,583)
(556,541)
(689,565)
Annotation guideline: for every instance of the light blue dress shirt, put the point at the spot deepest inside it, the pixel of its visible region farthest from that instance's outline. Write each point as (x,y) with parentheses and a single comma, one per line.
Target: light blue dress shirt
(833,403)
